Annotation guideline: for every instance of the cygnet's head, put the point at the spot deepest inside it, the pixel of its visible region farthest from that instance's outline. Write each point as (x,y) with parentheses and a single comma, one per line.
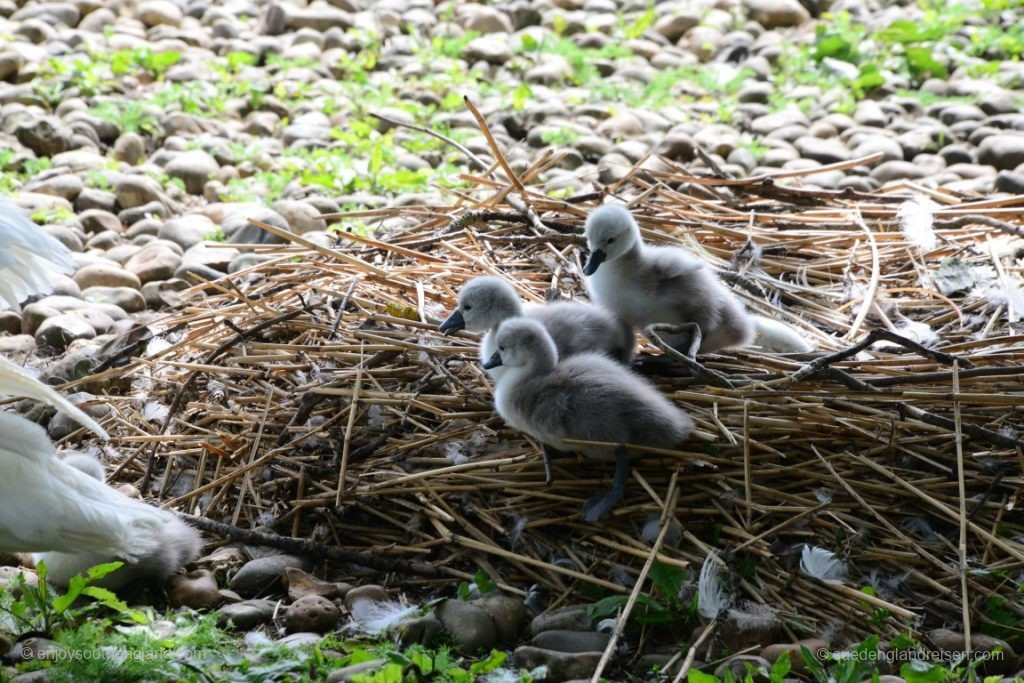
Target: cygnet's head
(483,303)
(611,232)
(522,342)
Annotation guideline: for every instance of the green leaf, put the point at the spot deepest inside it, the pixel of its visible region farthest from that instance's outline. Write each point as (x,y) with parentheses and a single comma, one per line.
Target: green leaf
(607,606)
(668,579)
(488,665)
(812,663)
(75,586)
(833,46)
(100,570)
(869,79)
(520,96)
(780,668)
(922,62)
(922,673)
(483,582)
(697,676)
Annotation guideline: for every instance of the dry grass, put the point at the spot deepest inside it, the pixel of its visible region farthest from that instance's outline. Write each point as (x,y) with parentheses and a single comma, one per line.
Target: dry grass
(312,395)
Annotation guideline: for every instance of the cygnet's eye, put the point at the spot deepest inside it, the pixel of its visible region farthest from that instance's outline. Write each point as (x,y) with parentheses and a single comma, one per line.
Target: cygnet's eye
(501,348)
(610,240)
(468,307)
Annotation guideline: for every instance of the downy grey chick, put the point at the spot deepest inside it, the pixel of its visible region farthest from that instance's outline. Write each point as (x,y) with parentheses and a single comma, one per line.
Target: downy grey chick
(585,397)
(576,327)
(177,545)
(672,290)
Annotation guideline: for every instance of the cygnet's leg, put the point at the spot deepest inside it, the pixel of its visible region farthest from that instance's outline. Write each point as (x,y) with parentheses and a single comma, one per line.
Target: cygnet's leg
(692,329)
(598,506)
(549,452)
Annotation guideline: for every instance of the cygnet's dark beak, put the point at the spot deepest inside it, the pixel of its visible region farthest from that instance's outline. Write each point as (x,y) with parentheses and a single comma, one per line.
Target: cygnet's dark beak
(493,362)
(596,258)
(454,323)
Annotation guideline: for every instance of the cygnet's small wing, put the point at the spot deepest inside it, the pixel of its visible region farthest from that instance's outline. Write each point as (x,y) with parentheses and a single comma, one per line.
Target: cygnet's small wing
(590,397)
(29,257)
(668,263)
(15,381)
(48,505)
(578,327)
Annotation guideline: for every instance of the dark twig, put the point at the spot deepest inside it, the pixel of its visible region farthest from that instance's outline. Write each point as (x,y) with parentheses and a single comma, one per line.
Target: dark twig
(964,221)
(711,163)
(822,362)
(477,161)
(316,549)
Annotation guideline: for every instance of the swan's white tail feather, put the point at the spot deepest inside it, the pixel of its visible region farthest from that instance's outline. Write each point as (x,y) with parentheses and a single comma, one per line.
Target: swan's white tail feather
(776,337)
(15,381)
(29,257)
(48,505)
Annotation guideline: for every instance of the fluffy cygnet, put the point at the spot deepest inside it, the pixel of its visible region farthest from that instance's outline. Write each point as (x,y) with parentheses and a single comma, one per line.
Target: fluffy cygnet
(177,545)
(670,289)
(575,327)
(583,397)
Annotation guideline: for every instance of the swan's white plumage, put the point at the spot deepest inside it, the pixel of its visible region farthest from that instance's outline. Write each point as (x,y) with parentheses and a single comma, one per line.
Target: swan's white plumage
(48,505)
(29,257)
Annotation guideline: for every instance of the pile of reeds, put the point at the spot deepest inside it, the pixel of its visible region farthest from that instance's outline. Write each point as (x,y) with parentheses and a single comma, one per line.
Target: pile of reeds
(312,396)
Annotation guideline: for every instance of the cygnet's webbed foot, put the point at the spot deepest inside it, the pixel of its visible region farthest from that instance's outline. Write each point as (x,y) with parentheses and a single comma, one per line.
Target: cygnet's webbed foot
(548,453)
(687,347)
(597,507)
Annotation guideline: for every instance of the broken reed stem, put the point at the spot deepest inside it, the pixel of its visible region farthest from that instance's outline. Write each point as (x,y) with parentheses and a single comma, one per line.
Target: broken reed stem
(962,491)
(691,653)
(317,549)
(671,498)
(746,462)
(346,445)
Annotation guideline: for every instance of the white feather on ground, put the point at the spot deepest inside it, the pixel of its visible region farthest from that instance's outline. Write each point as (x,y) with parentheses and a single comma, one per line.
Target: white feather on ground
(29,257)
(372,617)
(822,564)
(754,616)
(1015,300)
(913,330)
(917,218)
(777,337)
(711,595)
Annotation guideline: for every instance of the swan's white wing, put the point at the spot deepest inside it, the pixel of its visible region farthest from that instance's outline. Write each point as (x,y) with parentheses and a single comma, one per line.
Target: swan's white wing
(29,257)
(15,381)
(48,505)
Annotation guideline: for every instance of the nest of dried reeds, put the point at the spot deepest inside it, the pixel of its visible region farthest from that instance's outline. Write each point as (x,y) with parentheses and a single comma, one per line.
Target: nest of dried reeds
(312,396)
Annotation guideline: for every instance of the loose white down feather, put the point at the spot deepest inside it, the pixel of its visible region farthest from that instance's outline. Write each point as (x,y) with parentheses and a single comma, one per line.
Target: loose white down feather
(822,564)
(29,257)
(917,217)
(776,337)
(711,595)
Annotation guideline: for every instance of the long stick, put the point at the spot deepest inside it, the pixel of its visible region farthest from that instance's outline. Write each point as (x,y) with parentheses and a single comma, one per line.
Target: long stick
(620,623)
(962,490)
